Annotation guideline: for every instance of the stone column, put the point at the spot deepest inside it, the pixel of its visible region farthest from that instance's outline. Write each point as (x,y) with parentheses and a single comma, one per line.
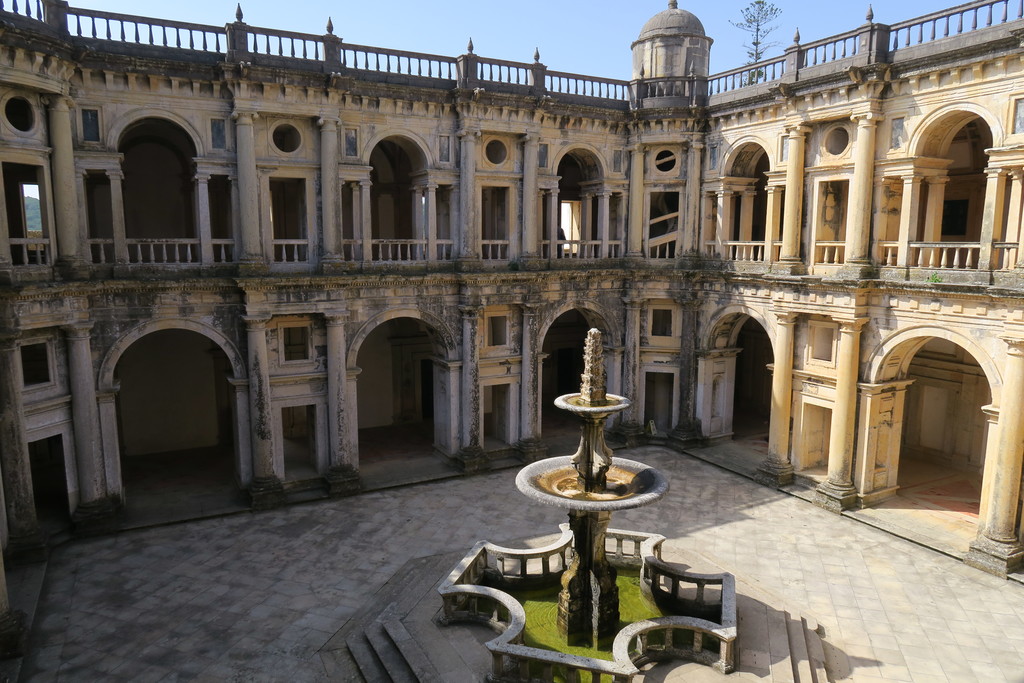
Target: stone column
(243,435)
(777,469)
(366,220)
(793,218)
(773,216)
(65,198)
(467,196)
(329,192)
(687,429)
(723,225)
(95,504)
(253,249)
(431,190)
(637,229)
(837,493)
(117,216)
(693,175)
(992,218)
(631,424)
(554,211)
(530,446)
(202,181)
(1012,234)
(878,440)
(603,203)
(342,478)
(997,548)
(266,490)
(909,209)
(26,542)
(747,214)
(471,456)
(858,213)
(5,234)
(531,147)
(586,209)
(933,208)
(419,225)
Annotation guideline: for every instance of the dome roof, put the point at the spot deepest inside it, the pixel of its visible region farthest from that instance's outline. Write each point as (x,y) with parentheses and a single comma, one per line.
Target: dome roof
(672,21)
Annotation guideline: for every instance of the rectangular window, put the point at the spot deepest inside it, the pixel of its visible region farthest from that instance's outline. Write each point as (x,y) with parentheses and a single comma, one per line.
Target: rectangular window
(897,134)
(542,156)
(35,364)
(954,217)
(287,208)
(219,188)
(1018,116)
(218,134)
(661,322)
(91,125)
(351,143)
(497,330)
(494,204)
(823,336)
(617,161)
(295,343)
(444,150)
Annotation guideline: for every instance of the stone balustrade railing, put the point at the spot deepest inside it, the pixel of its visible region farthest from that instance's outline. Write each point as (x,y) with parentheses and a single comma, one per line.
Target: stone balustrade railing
(954,21)
(689,637)
(765,71)
(144,31)
(385,61)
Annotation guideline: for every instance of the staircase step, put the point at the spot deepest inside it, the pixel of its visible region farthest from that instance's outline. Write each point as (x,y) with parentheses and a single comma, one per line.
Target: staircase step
(366,659)
(802,671)
(391,658)
(411,652)
(815,650)
(778,647)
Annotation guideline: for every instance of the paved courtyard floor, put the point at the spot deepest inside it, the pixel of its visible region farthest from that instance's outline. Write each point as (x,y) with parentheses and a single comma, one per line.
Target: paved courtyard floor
(255,596)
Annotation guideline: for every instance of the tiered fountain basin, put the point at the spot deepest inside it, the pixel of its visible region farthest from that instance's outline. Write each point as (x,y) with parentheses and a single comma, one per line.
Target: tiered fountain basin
(702,628)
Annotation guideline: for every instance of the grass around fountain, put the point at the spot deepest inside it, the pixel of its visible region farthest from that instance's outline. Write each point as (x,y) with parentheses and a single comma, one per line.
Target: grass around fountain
(542,617)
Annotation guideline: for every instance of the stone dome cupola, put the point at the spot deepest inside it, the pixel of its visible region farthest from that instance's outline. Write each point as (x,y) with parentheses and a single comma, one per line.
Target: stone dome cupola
(672,44)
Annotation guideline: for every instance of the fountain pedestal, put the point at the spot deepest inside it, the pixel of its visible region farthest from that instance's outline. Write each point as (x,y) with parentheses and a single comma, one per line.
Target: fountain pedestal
(588,604)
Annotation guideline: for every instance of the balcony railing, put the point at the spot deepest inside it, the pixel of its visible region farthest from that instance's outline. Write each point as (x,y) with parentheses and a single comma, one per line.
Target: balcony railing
(494,250)
(128,28)
(662,247)
(381,60)
(952,22)
(164,251)
(830,252)
(291,251)
(399,251)
(949,255)
(30,251)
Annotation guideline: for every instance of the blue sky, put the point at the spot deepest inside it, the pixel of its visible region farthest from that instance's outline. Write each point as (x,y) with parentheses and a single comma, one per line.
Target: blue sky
(592,38)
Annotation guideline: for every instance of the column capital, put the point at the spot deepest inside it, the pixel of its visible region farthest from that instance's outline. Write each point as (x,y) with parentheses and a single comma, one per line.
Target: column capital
(59,102)
(696,145)
(470,310)
(8,340)
(937,179)
(991,413)
(82,330)
(327,123)
(995,172)
(786,318)
(114,174)
(244,118)
(203,177)
(529,137)
(911,178)
(632,302)
(1014,346)
(797,130)
(1017,173)
(335,318)
(867,119)
(530,308)
(850,324)
(471,133)
(256,322)
(365,183)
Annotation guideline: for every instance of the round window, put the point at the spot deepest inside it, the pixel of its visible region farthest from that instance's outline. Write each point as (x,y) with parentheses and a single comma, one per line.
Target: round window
(837,140)
(496,152)
(287,138)
(19,114)
(665,160)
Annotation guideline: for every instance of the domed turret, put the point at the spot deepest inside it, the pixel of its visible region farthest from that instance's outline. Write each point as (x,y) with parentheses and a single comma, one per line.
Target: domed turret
(672,45)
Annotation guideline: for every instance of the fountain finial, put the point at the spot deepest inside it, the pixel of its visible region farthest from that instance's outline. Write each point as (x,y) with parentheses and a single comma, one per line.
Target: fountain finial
(593,388)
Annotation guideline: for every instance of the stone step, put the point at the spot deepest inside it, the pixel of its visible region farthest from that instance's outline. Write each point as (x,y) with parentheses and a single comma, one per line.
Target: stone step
(368,665)
(397,669)
(413,655)
(798,656)
(815,650)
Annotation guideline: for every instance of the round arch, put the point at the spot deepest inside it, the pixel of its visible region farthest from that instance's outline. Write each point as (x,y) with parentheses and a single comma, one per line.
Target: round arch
(742,157)
(437,326)
(591,312)
(129,119)
(724,325)
(587,156)
(117,349)
(891,358)
(410,143)
(933,135)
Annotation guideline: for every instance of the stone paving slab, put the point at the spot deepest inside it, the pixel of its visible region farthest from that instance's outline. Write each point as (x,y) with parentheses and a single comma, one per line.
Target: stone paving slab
(255,597)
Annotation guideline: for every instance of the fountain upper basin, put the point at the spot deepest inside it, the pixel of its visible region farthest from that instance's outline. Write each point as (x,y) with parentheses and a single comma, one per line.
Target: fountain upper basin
(575,404)
(553,481)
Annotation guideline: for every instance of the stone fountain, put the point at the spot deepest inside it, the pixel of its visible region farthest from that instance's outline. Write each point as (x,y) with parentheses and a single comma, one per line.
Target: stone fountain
(700,609)
(591,484)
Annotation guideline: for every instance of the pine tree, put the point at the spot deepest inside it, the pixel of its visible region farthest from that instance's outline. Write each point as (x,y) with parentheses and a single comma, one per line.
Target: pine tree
(757,21)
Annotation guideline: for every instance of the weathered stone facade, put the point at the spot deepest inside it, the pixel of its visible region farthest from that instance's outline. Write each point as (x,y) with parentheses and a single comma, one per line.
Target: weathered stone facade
(266,242)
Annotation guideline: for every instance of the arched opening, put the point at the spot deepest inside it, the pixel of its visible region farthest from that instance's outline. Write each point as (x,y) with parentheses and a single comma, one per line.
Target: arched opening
(176,427)
(955,203)
(396,215)
(561,370)
(578,226)
(942,447)
(158,182)
(752,393)
(748,218)
(399,386)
